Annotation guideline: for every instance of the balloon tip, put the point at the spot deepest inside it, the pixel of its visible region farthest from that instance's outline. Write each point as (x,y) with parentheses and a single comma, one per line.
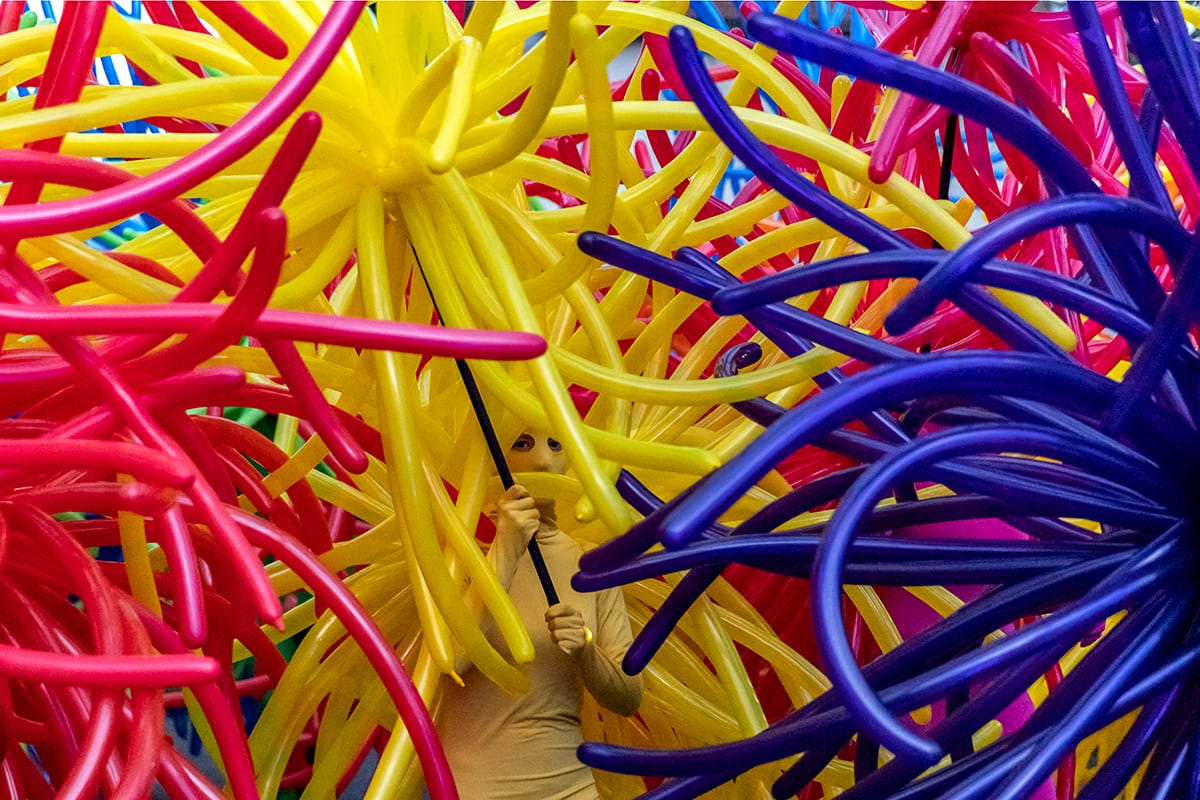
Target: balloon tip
(725,303)
(899,321)
(633,663)
(194,638)
(879,173)
(677,536)
(354,461)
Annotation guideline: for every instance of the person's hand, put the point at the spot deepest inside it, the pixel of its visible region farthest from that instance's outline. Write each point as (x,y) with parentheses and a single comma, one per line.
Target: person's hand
(517,517)
(567,629)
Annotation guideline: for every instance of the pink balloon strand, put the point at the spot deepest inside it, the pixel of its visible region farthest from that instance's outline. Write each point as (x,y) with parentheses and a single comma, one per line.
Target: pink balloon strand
(120,202)
(379,653)
(249,27)
(68,67)
(341,444)
(304,326)
(946,25)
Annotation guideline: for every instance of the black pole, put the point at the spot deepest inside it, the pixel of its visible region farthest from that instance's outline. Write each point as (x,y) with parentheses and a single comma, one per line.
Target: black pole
(948,141)
(493,443)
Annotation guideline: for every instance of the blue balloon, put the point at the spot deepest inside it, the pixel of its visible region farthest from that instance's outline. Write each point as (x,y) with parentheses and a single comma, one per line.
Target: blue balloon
(1027,436)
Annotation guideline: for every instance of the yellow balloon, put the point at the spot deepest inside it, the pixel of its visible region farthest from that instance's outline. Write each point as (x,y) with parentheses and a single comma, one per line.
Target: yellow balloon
(421,154)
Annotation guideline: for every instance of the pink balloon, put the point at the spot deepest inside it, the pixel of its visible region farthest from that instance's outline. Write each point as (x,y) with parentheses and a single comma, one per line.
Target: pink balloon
(121,202)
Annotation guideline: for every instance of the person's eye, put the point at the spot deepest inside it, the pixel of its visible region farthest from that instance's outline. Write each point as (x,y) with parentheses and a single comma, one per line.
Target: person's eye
(554,445)
(523,443)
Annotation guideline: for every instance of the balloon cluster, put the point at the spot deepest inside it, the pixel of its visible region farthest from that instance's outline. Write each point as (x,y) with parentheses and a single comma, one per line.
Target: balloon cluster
(248,398)
(1086,472)
(102,452)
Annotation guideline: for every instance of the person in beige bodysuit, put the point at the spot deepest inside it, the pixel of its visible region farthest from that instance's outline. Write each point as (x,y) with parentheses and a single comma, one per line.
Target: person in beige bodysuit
(523,748)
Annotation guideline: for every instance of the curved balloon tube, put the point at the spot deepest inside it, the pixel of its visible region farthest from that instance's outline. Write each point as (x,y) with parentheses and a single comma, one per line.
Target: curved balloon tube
(1013,124)
(784,319)
(1145,375)
(1070,294)
(867,266)
(963,262)
(881,424)
(1145,182)
(1122,586)
(947,90)
(1105,690)
(1068,387)
(880,563)
(265,375)
(831,555)
(894,775)
(822,205)
(1156,35)
(686,592)
(112,204)
(700,554)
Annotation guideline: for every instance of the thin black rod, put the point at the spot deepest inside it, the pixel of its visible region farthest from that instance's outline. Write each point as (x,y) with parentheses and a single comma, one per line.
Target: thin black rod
(493,443)
(947,170)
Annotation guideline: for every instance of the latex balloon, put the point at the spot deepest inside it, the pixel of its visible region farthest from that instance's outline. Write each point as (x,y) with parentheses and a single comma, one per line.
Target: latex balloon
(868,349)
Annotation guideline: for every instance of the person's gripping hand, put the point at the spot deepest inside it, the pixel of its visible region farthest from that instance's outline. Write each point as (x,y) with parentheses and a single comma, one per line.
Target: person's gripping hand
(517,516)
(517,520)
(567,629)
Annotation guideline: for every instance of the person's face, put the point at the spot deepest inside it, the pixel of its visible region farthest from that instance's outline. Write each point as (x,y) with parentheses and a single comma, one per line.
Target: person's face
(536,452)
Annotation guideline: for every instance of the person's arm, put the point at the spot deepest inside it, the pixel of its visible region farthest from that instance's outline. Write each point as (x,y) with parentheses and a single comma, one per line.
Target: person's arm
(601,672)
(517,520)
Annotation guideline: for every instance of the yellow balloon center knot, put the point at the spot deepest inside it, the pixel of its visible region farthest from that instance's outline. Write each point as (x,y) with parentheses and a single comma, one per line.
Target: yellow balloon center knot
(407,164)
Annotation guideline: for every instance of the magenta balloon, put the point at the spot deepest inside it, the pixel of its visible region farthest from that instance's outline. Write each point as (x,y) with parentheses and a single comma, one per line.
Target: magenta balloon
(181,425)
(401,337)
(235,443)
(99,737)
(222,263)
(1032,94)
(187,390)
(358,621)
(308,394)
(71,53)
(270,248)
(218,710)
(182,779)
(143,731)
(270,192)
(105,378)
(249,27)
(942,32)
(123,201)
(99,497)
(114,388)
(146,499)
(73,568)
(107,498)
(68,66)
(85,173)
(62,454)
(185,577)
(244,560)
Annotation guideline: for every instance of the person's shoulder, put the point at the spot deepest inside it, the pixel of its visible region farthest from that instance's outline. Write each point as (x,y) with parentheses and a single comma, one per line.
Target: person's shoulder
(561,539)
